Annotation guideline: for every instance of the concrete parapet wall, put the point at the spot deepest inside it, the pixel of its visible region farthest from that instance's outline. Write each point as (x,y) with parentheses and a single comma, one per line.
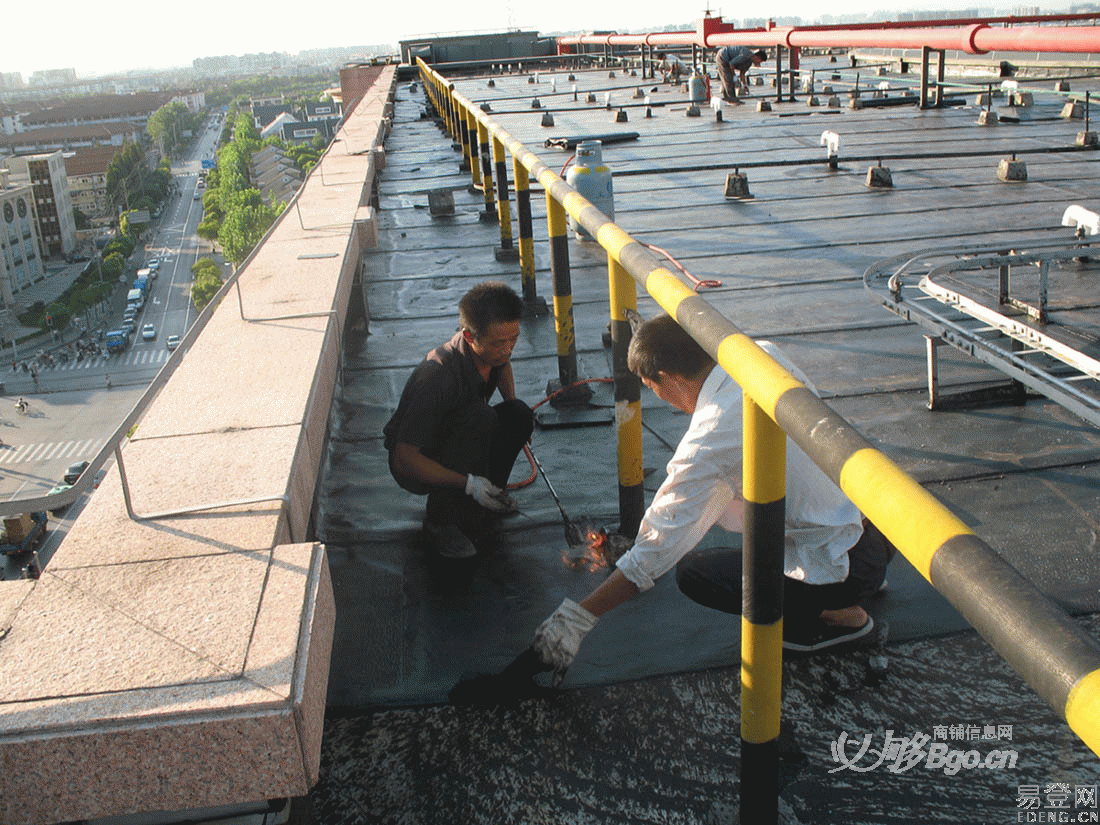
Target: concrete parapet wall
(182,662)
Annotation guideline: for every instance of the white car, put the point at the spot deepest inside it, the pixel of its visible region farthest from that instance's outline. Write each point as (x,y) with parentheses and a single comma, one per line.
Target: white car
(148,332)
(172,342)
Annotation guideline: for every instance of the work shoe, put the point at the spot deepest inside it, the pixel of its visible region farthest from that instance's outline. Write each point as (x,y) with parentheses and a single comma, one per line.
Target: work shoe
(818,636)
(448,541)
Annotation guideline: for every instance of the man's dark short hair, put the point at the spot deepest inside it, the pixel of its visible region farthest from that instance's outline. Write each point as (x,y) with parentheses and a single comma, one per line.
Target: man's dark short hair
(488,303)
(763,55)
(662,345)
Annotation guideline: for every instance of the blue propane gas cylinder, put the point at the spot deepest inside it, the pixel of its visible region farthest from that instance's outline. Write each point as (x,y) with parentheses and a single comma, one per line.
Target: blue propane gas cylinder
(592,179)
(697,89)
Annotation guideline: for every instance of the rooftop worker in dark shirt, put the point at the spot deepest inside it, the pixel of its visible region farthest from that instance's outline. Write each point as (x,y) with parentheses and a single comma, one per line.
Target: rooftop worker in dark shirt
(446,441)
(730,59)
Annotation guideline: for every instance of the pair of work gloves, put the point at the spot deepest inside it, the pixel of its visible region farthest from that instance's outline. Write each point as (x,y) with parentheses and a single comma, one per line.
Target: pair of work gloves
(558,639)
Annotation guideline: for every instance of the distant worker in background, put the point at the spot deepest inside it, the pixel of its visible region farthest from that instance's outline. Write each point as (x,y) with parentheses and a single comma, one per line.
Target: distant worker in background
(740,59)
(672,67)
(446,441)
(833,557)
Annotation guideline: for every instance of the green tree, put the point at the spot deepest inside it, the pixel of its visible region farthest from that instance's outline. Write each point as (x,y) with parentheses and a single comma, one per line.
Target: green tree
(112,266)
(243,227)
(126,175)
(206,282)
(58,315)
(80,219)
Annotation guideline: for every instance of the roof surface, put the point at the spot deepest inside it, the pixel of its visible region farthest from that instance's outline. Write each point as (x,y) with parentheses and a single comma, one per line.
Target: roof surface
(646,726)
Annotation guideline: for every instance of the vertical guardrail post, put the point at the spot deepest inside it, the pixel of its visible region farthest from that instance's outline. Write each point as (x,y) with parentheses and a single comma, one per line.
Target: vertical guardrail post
(779,74)
(623,294)
(563,294)
(451,114)
(490,213)
(764,485)
(475,166)
(468,153)
(924,82)
(506,251)
(533,305)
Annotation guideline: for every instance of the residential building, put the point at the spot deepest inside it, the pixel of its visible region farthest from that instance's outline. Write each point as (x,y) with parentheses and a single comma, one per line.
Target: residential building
(66,138)
(107,108)
(20,259)
(263,114)
(300,131)
(323,110)
(46,175)
(10,81)
(53,77)
(87,170)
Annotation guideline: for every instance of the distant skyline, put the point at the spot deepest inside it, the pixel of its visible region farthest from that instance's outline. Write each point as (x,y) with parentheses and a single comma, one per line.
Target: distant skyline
(95,39)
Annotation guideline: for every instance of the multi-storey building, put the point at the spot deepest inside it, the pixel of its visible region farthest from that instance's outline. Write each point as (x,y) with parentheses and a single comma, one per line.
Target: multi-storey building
(20,259)
(87,171)
(46,175)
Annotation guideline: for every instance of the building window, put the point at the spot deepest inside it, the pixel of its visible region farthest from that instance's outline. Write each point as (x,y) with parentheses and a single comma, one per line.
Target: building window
(22,206)
(9,213)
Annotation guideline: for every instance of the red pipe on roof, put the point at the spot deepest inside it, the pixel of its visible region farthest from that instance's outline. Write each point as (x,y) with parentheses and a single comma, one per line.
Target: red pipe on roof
(975,36)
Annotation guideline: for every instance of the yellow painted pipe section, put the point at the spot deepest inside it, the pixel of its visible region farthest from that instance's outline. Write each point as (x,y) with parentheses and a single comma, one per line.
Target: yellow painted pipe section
(555,217)
(504,212)
(614,240)
(623,295)
(764,470)
(905,512)
(475,162)
(563,323)
(761,680)
(666,289)
(760,377)
(1083,710)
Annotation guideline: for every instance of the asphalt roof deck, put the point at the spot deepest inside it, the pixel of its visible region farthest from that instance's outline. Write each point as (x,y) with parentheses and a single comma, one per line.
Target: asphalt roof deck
(646,729)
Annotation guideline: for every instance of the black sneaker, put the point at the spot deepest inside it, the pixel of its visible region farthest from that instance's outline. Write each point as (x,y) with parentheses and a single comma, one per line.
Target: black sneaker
(819,636)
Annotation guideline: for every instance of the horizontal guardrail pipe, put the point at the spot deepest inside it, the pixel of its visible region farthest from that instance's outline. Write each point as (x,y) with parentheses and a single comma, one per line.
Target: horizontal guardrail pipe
(688,37)
(977,36)
(1038,639)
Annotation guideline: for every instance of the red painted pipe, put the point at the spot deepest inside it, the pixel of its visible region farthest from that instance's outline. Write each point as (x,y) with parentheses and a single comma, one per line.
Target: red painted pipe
(974,37)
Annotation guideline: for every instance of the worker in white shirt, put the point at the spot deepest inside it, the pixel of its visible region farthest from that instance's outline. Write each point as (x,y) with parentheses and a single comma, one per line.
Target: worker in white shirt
(833,560)
(672,67)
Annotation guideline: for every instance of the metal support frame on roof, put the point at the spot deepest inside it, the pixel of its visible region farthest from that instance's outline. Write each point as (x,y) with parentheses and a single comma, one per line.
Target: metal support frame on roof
(1014,337)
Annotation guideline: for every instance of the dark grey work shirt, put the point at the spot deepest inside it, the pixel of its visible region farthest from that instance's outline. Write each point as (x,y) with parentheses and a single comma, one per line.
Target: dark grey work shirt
(440,394)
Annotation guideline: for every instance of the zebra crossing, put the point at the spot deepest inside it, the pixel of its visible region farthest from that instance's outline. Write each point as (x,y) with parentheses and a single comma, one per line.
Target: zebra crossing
(18,453)
(135,358)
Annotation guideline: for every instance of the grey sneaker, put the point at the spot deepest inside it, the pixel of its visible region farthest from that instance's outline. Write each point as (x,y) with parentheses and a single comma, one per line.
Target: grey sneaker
(449,541)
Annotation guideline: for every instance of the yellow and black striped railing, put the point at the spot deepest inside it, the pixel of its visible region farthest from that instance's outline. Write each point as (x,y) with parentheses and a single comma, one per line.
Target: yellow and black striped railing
(1035,636)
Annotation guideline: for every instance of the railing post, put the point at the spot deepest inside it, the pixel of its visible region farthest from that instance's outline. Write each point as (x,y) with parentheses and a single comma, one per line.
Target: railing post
(533,305)
(779,74)
(468,152)
(563,295)
(623,293)
(506,252)
(764,487)
(490,213)
(924,54)
(475,167)
(451,110)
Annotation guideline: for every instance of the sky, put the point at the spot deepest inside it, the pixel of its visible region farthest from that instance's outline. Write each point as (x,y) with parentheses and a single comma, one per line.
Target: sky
(97,39)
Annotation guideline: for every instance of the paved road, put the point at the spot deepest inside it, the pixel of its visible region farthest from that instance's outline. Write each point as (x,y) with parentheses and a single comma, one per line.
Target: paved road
(72,411)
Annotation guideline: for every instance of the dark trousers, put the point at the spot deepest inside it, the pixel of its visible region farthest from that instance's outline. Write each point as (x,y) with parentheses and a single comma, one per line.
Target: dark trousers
(486,442)
(712,577)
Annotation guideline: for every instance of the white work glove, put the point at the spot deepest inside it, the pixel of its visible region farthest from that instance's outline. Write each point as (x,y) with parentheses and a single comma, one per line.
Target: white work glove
(558,639)
(491,498)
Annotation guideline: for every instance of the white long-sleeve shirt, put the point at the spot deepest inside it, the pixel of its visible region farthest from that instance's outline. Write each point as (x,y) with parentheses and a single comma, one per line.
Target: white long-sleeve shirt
(703,488)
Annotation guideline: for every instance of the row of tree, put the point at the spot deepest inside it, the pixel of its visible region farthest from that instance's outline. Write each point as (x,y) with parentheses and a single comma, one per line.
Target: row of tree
(234,212)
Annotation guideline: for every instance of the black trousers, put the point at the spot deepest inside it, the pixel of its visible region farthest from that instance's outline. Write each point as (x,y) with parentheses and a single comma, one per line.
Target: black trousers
(712,578)
(486,443)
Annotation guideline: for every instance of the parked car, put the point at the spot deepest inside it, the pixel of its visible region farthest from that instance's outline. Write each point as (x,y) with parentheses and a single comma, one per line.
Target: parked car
(148,332)
(172,342)
(74,471)
(60,488)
